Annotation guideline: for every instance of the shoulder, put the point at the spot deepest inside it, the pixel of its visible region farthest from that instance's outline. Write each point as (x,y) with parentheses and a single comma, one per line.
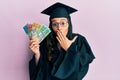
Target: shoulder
(81,40)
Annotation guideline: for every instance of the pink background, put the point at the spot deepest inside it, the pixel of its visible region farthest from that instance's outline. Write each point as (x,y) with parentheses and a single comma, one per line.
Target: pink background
(97,20)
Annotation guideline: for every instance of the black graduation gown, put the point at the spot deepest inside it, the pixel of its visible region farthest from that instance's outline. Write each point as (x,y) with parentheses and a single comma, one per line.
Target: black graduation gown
(72,64)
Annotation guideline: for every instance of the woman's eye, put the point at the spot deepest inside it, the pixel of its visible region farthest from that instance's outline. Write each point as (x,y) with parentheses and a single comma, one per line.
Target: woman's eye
(63,23)
(55,24)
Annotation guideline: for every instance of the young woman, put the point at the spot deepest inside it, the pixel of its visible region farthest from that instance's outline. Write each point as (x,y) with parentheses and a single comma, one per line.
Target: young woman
(63,55)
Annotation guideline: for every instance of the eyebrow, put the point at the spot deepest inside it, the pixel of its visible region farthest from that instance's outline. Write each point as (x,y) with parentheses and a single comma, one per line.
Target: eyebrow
(53,20)
(56,20)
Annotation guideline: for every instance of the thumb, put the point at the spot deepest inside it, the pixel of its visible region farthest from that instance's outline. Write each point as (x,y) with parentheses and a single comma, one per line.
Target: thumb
(74,38)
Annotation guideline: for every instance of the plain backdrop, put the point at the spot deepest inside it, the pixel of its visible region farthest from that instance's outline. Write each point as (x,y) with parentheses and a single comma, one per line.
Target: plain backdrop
(97,20)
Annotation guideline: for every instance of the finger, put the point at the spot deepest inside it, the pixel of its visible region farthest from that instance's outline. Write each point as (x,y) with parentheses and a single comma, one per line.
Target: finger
(35,47)
(58,39)
(34,43)
(63,35)
(35,39)
(74,38)
(60,35)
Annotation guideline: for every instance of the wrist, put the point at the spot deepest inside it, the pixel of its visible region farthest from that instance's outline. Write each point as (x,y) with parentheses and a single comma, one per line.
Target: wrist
(37,57)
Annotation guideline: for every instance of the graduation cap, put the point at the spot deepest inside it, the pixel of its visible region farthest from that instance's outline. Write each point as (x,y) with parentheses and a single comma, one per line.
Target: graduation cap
(59,10)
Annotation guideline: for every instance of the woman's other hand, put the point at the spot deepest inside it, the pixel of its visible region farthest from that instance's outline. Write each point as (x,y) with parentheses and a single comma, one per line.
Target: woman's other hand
(64,41)
(34,46)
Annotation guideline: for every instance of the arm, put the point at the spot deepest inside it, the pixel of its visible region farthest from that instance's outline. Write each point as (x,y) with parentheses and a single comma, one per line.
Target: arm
(34,64)
(77,56)
(34,69)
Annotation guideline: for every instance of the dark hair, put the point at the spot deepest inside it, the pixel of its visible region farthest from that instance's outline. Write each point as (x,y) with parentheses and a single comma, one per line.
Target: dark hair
(51,41)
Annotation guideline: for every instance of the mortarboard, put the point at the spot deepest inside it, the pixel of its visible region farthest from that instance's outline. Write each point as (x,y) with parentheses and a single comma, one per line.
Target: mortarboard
(58,10)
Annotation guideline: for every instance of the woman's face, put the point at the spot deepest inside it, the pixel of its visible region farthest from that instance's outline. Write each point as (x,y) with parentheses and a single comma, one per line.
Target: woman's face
(60,24)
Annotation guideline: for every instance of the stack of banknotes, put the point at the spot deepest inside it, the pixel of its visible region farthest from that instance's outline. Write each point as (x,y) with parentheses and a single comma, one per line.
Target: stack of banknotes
(37,30)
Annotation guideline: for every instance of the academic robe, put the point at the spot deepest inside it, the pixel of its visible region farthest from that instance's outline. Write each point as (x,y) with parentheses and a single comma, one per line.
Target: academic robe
(72,64)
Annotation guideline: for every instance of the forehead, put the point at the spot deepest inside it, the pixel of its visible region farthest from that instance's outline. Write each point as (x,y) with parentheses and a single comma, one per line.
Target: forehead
(59,19)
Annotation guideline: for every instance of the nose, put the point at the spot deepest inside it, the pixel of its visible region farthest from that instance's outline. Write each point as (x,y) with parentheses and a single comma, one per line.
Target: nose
(59,27)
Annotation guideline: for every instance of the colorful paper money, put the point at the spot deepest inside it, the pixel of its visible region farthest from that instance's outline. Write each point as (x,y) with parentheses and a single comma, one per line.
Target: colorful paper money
(36,30)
